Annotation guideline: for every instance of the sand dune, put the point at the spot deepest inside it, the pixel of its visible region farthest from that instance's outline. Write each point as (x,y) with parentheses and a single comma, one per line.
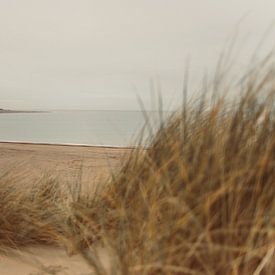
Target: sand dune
(66,163)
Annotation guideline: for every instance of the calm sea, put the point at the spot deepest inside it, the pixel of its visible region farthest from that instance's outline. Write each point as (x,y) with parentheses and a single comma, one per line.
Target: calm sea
(107,128)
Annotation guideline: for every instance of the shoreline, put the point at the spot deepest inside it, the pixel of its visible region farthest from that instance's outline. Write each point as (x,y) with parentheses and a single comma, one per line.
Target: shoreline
(21,112)
(67,144)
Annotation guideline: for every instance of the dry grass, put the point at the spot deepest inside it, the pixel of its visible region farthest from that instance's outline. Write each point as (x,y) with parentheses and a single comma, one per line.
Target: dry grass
(29,214)
(200,200)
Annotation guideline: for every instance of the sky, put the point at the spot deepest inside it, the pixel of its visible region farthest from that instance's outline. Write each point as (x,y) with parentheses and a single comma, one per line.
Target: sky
(99,54)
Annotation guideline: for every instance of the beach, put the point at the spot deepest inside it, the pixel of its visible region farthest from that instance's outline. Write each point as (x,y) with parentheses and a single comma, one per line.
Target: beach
(32,162)
(66,163)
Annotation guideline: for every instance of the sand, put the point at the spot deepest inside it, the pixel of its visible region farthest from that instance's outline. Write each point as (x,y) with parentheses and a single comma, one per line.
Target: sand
(47,260)
(66,163)
(32,162)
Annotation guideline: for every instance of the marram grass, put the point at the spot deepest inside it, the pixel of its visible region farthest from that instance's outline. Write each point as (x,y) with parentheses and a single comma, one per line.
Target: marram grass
(199,200)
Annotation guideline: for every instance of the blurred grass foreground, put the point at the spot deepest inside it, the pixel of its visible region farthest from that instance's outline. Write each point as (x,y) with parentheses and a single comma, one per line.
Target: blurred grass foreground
(199,200)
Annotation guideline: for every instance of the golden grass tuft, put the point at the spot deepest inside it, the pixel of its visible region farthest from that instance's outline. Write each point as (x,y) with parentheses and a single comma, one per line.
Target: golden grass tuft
(29,214)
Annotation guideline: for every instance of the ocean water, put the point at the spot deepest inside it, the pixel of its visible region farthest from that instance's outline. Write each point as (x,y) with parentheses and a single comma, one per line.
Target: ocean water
(105,128)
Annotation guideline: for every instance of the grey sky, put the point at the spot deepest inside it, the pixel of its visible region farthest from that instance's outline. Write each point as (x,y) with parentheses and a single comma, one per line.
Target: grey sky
(87,54)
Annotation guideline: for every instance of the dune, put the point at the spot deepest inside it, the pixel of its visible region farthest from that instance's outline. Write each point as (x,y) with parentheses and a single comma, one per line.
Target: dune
(67,163)
(199,200)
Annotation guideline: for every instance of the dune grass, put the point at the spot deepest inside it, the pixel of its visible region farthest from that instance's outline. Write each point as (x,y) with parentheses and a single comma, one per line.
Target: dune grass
(199,200)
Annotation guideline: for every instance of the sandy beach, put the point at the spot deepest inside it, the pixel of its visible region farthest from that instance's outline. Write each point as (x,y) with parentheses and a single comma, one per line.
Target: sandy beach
(65,163)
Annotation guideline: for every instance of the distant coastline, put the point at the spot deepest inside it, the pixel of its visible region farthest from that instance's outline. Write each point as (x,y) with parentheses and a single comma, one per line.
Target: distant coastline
(5,111)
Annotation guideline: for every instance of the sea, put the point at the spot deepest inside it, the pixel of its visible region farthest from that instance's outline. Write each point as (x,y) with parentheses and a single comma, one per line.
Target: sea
(96,128)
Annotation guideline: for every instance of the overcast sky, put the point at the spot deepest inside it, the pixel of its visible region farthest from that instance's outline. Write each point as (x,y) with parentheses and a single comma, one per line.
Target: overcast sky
(88,54)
